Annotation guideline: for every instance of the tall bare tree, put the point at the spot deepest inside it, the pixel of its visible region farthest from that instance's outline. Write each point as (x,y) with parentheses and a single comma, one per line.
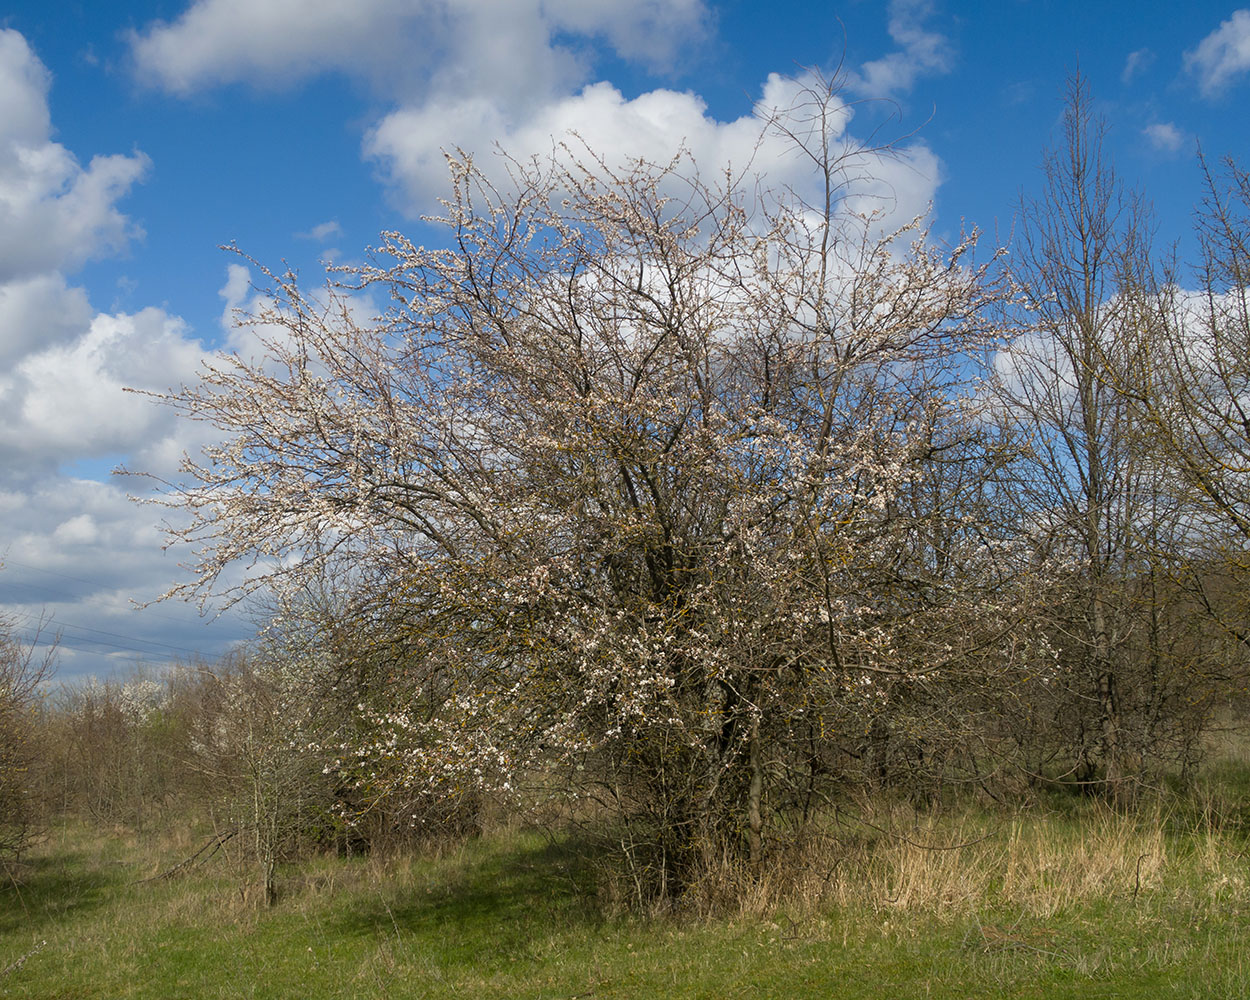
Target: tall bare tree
(1082,258)
(1189,393)
(1196,398)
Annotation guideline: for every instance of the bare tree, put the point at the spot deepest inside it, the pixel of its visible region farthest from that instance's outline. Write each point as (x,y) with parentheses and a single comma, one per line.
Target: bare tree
(1195,400)
(1098,490)
(250,743)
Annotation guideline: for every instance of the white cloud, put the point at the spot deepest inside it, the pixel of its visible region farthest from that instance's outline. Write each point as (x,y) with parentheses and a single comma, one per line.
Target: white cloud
(234,293)
(922,52)
(72,546)
(654,126)
(410,142)
(656,34)
(79,549)
(241,333)
(1164,136)
(80,553)
(24,83)
(1138,62)
(81,529)
(67,402)
(322,232)
(54,213)
(476,74)
(37,312)
(274,43)
(61,367)
(462,72)
(1222,56)
(513,49)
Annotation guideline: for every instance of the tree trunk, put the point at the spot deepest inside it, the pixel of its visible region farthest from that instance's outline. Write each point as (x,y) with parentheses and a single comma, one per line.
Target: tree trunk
(755,792)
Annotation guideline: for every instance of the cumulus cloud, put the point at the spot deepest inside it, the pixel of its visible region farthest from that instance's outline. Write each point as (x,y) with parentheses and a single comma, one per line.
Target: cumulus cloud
(24,83)
(54,213)
(655,34)
(78,549)
(61,366)
(921,52)
(39,311)
(511,48)
(512,74)
(78,554)
(1164,136)
(234,294)
(409,143)
(68,401)
(74,547)
(227,41)
(654,126)
(1222,56)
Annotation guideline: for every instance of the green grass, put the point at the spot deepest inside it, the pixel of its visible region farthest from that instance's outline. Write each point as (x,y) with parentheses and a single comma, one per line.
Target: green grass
(1071,902)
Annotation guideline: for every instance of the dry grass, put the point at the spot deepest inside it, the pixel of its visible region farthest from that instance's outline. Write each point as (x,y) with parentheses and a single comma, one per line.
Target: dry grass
(1037,864)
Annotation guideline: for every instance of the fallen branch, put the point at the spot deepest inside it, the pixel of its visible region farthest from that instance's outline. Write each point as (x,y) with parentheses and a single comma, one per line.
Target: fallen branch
(17,964)
(215,843)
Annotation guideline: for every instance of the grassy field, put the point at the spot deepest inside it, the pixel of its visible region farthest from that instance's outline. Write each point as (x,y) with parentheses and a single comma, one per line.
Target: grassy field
(1066,900)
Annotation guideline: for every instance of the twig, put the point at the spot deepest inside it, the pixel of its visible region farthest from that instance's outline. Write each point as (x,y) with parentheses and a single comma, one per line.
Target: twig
(1137,880)
(998,940)
(18,963)
(17,891)
(215,843)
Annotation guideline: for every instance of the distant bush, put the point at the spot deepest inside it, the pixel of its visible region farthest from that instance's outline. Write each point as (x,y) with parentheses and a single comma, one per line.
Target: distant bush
(21,753)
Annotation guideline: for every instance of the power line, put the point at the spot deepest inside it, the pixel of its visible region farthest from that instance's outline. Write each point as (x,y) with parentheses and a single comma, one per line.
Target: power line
(55,622)
(79,579)
(118,647)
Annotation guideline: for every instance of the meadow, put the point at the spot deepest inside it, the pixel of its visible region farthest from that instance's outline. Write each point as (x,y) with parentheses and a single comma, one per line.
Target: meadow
(1069,898)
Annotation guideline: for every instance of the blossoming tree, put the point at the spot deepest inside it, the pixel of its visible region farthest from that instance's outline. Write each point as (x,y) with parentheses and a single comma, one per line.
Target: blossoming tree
(673,488)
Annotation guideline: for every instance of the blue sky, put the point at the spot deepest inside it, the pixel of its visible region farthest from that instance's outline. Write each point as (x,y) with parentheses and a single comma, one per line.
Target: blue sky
(136,138)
